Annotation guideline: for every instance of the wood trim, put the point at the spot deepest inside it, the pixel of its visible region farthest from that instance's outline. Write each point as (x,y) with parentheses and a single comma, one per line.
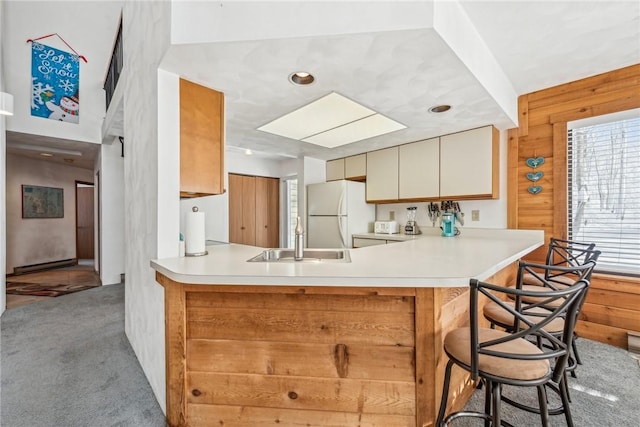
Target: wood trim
(513,168)
(175,350)
(426,313)
(523,115)
(560,207)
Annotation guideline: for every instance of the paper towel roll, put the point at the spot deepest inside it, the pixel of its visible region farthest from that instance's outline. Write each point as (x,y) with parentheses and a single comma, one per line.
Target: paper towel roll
(194,235)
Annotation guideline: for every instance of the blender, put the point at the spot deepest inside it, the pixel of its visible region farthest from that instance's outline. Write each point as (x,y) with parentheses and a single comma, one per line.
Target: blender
(412,225)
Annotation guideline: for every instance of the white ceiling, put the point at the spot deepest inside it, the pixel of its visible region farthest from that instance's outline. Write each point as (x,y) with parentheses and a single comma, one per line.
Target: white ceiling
(401,74)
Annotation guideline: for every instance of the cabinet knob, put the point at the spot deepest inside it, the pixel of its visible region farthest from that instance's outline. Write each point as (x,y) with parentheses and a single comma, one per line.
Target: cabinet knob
(196,392)
(265,226)
(241,228)
(293,395)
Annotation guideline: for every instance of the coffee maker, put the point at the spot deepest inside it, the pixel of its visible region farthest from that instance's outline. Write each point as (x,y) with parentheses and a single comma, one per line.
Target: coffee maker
(412,226)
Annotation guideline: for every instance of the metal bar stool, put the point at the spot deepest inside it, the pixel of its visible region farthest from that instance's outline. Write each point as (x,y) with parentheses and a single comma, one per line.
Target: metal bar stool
(499,357)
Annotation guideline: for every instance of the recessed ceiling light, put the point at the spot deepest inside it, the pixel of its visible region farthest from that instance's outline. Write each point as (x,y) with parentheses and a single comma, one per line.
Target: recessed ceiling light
(301,78)
(248,152)
(439,108)
(46,154)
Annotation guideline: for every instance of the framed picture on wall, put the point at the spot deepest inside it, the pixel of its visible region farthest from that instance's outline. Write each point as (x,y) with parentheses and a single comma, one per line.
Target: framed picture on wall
(42,202)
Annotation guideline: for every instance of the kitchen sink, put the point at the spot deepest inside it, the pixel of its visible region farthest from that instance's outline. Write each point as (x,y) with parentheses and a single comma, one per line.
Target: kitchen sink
(309,255)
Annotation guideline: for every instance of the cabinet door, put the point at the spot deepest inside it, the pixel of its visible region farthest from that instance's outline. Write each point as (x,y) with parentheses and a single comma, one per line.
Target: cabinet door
(267,212)
(355,167)
(335,170)
(469,164)
(382,175)
(419,170)
(201,140)
(242,209)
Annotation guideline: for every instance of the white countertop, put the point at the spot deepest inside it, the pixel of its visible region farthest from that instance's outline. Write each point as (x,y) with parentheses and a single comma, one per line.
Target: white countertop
(426,260)
(399,237)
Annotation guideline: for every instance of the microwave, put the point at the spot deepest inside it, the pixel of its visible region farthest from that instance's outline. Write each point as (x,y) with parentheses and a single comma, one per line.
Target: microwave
(386,227)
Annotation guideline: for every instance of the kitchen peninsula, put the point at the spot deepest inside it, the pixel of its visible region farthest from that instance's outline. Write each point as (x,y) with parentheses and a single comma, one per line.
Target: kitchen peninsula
(324,343)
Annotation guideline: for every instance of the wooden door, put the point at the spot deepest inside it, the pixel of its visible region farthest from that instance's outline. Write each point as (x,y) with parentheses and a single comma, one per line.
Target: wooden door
(267,212)
(84,222)
(242,209)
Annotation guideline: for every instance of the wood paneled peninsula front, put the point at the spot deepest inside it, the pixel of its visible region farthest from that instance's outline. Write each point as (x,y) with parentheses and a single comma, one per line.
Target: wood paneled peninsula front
(328,343)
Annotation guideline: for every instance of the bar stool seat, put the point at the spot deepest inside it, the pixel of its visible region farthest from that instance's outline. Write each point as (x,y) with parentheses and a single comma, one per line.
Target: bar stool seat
(458,342)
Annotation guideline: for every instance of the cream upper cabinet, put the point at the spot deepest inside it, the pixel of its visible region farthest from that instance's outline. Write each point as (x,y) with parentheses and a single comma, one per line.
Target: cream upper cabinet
(469,164)
(419,170)
(335,170)
(382,175)
(355,167)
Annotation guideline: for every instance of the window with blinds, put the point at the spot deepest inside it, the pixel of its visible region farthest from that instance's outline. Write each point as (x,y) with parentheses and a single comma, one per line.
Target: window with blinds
(604,192)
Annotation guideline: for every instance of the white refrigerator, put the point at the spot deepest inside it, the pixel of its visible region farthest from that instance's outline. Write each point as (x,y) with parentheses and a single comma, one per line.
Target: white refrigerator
(335,211)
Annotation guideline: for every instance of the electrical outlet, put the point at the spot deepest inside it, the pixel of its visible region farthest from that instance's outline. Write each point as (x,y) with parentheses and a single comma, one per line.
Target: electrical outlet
(475,215)
(392,215)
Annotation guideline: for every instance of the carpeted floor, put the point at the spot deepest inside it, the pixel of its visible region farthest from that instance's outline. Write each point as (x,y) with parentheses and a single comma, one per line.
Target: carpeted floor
(66,362)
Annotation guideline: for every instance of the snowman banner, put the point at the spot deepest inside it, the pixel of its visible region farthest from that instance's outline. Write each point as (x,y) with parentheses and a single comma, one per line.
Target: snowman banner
(55,78)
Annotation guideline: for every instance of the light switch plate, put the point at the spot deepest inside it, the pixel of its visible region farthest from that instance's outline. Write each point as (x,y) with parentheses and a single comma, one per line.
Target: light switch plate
(475,215)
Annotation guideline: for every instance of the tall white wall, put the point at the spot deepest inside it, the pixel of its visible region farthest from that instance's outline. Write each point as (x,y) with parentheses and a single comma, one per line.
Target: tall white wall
(111,206)
(38,240)
(33,19)
(146,33)
(3,150)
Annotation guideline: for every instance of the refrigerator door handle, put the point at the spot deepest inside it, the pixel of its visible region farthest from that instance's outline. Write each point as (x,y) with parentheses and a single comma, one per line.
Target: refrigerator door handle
(341,231)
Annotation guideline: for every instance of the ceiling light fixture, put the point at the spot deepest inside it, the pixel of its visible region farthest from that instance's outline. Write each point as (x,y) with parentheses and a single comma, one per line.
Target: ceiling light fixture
(440,108)
(301,78)
(248,152)
(6,104)
(46,154)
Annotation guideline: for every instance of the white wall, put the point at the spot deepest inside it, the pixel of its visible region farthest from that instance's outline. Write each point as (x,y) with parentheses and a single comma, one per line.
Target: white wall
(146,35)
(103,17)
(493,213)
(38,240)
(112,242)
(3,150)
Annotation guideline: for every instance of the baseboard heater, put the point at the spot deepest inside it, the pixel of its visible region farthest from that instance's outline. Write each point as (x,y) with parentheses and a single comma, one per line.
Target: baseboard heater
(44,266)
(633,342)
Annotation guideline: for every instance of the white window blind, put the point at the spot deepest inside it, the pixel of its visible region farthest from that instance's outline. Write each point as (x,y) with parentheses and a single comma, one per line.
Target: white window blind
(604,192)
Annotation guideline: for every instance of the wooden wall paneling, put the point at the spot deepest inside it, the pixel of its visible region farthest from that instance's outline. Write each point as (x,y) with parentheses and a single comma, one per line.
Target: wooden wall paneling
(201,416)
(611,316)
(302,393)
(602,333)
(542,132)
(582,88)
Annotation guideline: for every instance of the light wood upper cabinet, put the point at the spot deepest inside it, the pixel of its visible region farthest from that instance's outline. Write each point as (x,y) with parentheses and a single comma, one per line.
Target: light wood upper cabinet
(469,164)
(201,140)
(419,170)
(355,167)
(382,175)
(335,170)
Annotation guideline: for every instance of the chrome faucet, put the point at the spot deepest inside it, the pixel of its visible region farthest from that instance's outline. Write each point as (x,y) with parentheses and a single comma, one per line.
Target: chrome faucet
(298,252)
